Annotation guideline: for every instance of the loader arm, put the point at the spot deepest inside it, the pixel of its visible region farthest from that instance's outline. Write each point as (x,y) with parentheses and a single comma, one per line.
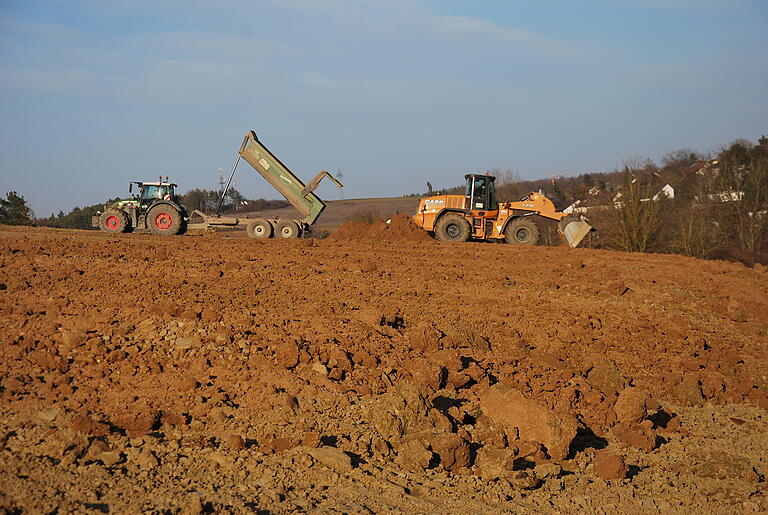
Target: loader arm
(300,196)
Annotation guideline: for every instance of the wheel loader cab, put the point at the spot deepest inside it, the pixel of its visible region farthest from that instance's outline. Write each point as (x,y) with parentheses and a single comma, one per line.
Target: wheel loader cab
(481,193)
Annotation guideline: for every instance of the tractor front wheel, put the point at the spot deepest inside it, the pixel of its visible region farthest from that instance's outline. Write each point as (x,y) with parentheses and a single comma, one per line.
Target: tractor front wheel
(522,232)
(164,220)
(114,221)
(453,228)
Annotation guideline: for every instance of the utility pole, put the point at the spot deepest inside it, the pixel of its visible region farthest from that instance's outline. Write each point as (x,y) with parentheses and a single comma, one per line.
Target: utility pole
(340,176)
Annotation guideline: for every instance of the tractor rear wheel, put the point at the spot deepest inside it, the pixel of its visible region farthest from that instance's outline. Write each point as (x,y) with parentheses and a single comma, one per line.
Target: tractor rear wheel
(522,232)
(114,221)
(452,228)
(287,229)
(164,219)
(259,228)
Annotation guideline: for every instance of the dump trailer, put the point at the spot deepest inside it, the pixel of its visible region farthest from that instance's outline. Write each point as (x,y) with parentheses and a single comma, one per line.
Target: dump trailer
(478,215)
(299,195)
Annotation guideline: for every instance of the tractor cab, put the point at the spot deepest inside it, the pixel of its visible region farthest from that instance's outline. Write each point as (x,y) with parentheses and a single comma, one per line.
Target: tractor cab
(151,192)
(481,194)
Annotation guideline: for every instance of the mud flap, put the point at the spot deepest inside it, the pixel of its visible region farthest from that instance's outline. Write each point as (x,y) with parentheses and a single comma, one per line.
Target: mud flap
(573,230)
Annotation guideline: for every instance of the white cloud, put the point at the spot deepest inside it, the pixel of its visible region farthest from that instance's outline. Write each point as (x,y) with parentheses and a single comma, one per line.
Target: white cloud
(690,5)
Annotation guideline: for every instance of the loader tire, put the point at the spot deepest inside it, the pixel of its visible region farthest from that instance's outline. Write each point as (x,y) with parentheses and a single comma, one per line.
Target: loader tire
(164,220)
(287,229)
(114,221)
(259,228)
(452,228)
(522,232)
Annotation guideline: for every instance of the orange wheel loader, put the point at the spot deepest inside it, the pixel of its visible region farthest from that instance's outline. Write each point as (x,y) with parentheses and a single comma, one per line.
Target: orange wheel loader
(478,215)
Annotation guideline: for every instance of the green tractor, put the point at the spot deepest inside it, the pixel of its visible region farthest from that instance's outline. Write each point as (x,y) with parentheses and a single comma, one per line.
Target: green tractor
(155,208)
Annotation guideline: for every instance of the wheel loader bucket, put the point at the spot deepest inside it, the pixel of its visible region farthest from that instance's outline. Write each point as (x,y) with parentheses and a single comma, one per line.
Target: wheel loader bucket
(574,230)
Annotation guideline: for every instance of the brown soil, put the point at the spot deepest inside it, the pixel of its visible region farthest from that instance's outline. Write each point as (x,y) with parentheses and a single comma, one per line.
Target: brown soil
(383,372)
(398,228)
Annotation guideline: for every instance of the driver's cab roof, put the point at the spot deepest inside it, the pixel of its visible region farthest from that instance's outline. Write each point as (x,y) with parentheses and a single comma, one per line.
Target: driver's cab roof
(474,175)
(155,183)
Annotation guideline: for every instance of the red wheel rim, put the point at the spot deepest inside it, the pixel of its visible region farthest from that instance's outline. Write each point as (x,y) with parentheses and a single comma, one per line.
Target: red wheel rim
(113,222)
(163,221)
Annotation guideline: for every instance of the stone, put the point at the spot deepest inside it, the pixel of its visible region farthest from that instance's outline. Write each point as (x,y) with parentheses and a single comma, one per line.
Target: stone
(110,458)
(193,505)
(187,342)
(332,458)
(688,392)
(403,411)
(424,336)
(144,459)
(548,470)
(533,421)
(452,449)
(413,455)
(319,368)
(425,372)
(47,416)
(640,436)
(282,444)
(287,354)
(188,384)
(524,479)
(311,439)
(235,442)
(631,406)
(607,378)
(493,463)
(83,423)
(609,466)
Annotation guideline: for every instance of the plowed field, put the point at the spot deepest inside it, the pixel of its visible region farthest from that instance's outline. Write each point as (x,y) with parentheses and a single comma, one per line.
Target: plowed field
(375,371)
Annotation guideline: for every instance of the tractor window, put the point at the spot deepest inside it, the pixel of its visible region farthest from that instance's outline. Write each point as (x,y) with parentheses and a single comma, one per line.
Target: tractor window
(156,192)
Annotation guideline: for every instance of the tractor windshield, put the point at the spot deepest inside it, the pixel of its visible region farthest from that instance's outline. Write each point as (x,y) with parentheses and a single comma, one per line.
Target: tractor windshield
(152,192)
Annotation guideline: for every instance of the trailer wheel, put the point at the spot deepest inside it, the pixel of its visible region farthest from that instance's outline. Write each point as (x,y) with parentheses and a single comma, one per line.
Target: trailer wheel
(522,232)
(287,229)
(164,220)
(259,228)
(453,228)
(114,221)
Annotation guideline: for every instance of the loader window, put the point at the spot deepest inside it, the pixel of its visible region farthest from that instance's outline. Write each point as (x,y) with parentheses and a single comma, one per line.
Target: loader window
(476,193)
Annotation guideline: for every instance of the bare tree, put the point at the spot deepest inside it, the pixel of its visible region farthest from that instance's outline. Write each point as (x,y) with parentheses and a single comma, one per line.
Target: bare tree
(636,220)
(745,207)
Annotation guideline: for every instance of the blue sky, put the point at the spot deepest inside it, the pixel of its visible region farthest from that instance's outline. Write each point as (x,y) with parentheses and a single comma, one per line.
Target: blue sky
(94,94)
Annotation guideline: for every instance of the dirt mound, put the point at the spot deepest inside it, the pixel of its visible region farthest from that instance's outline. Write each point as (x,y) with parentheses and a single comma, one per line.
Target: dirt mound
(225,375)
(398,229)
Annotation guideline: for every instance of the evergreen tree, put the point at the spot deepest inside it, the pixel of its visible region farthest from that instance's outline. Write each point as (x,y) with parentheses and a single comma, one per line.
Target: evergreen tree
(14,210)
